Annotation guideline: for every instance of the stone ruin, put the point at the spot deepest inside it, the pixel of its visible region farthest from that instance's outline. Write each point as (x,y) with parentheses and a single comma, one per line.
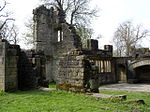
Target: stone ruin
(8,67)
(54,37)
(85,70)
(20,69)
(67,62)
(59,56)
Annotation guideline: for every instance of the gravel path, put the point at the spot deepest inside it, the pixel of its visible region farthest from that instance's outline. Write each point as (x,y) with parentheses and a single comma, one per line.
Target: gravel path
(128,87)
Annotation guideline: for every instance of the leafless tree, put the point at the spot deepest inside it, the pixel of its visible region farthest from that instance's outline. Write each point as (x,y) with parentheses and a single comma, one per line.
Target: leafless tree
(127,36)
(84,32)
(4,16)
(77,12)
(28,33)
(8,30)
(10,33)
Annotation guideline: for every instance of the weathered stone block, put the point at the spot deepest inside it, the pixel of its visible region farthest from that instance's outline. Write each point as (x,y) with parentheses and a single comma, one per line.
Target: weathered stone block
(11,52)
(91,44)
(2,71)
(138,101)
(2,60)
(2,86)
(2,79)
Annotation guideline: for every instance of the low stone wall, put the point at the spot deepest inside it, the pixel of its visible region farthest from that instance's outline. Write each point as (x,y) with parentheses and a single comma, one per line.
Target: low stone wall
(79,72)
(72,73)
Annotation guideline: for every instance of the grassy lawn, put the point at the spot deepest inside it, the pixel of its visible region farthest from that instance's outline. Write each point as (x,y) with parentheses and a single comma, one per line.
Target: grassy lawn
(52,85)
(60,101)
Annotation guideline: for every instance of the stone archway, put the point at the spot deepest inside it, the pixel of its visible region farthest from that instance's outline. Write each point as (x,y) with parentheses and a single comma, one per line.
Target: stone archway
(143,73)
(141,70)
(139,63)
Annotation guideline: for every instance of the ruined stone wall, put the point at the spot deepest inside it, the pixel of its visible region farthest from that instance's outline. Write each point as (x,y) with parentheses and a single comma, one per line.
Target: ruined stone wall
(44,32)
(72,75)
(8,67)
(53,36)
(70,41)
(2,65)
(31,70)
(45,36)
(106,69)
(76,71)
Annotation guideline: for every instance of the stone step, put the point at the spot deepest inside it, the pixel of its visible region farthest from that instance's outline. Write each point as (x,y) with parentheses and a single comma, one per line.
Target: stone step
(98,95)
(138,101)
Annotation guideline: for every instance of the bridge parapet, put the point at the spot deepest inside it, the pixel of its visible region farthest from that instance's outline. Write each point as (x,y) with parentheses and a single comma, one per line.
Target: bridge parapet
(137,63)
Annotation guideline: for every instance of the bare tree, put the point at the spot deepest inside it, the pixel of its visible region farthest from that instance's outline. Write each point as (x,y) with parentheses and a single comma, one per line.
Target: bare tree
(77,12)
(8,30)
(13,38)
(28,34)
(10,33)
(127,37)
(84,32)
(4,16)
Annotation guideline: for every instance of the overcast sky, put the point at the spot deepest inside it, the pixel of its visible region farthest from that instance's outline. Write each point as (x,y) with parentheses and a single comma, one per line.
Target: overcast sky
(112,13)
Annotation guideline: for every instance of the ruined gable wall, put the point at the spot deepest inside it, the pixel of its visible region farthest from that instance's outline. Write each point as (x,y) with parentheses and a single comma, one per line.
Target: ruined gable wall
(44,34)
(70,41)
(47,28)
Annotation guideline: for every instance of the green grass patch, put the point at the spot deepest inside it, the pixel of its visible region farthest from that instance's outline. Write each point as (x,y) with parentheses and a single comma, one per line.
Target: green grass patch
(52,85)
(2,93)
(61,101)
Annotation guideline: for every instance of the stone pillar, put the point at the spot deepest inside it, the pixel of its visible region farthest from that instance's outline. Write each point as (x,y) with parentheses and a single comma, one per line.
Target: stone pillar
(8,67)
(91,44)
(109,49)
(11,70)
(2,65)
(72,75)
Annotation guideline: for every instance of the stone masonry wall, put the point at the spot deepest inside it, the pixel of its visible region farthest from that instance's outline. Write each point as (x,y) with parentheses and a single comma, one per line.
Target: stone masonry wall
(11,70)
(2,65)
(31,70)
(71,41)
(81,71)
(8,67)
(53,36)
(72,75)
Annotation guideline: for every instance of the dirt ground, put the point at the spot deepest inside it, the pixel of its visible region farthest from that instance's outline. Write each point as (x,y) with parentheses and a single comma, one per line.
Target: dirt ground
(128,87)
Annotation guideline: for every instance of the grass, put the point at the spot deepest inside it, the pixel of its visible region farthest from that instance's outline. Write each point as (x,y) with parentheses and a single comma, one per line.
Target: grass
(52,85)
(61,101)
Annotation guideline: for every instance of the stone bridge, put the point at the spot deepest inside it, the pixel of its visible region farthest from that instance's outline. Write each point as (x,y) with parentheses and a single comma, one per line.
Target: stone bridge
(139,63)
(141,69)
